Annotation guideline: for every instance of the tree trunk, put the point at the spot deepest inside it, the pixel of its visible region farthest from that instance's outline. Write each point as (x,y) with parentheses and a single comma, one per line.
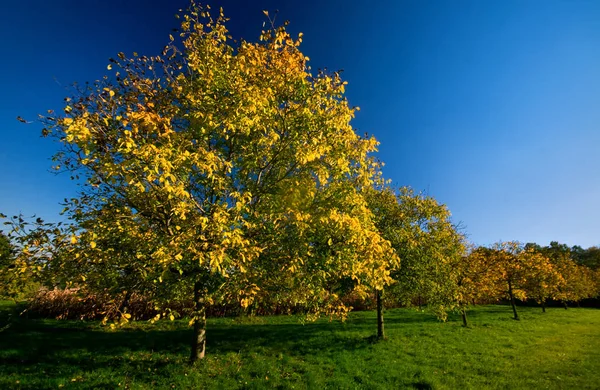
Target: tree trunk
(125,303)
(512,300)
(565,304)
(420,303)
(463,313)
(199,315)
(380,329)
(544,307)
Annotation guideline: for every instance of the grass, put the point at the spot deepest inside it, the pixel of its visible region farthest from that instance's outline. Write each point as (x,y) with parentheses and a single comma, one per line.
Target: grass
(556,350)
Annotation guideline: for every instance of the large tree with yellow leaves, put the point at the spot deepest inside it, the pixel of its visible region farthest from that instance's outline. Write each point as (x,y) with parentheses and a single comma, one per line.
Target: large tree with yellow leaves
(216,168)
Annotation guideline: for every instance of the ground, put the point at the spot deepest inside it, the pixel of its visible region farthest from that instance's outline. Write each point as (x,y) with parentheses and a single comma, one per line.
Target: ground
(556,350)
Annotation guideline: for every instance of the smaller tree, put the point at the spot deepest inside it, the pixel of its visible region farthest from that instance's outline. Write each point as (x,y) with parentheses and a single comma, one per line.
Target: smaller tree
(27,250)
(572,264)
(578,282)
(476,280)
(388,218)
(589,257)
(542,280)
(425,240)
(509,263)
(6,264)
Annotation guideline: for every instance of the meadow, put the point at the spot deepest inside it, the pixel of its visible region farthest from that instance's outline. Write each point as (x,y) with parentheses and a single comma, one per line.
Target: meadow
(559,349)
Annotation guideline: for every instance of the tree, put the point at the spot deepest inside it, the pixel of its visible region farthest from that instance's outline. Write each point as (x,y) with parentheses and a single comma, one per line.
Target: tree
(22,278)
(6,250)
(524,272)
(573,265)
(427,243)
(428,246)
(193,162)
(6,262)
(389,220)
(589,257)
(578,282)
(476,279)
(542,279)
(509,263)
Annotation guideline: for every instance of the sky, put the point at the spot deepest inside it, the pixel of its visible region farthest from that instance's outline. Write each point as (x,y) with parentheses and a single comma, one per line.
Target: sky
(491,107)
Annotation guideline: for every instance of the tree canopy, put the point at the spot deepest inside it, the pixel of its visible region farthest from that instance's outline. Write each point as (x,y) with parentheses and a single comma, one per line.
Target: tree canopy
(216,167)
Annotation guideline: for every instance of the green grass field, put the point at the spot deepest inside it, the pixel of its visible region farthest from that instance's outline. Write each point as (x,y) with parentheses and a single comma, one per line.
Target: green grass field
(556,350)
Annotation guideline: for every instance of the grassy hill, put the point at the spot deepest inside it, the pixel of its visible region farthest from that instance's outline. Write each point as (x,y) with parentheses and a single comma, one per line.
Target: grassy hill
(556,350)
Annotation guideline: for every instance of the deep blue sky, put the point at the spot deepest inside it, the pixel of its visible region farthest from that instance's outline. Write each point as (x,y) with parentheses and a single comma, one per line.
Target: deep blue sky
(492,107)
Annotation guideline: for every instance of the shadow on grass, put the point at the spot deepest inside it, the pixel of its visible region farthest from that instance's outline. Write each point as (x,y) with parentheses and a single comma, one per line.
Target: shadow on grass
(398,317)
(499,313)
(69,348)
(422,385)
(369,320)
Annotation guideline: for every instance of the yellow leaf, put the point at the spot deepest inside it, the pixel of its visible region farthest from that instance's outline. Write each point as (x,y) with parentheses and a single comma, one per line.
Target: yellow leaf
(73,240)
(172,317)
(92,244)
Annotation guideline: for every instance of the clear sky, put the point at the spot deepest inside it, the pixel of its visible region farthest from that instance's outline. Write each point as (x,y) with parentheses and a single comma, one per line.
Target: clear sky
(492,107)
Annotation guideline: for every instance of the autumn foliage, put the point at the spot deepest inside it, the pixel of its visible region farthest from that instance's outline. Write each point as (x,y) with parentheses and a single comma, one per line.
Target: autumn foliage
(224,173)
(216,171)
(512,271)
